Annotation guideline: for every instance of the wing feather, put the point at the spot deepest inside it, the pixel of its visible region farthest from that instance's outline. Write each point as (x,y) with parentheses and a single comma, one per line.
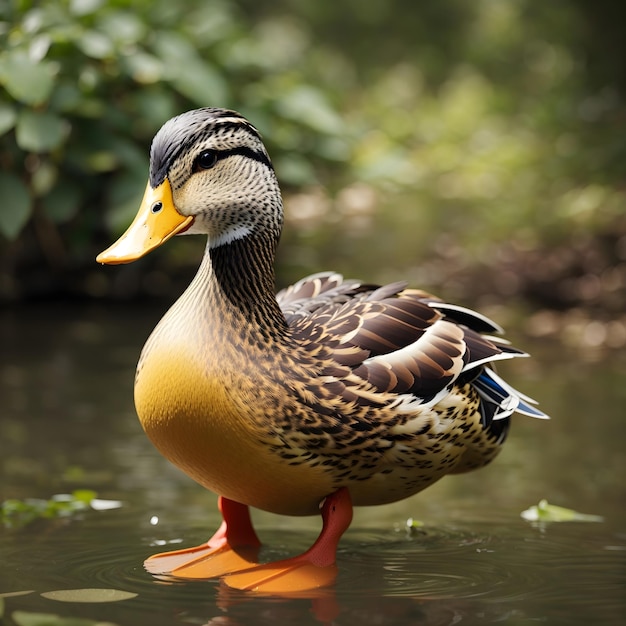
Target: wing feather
(396,340)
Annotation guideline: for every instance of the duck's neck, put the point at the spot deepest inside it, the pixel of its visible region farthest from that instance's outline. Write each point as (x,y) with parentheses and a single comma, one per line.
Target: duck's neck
(237,279)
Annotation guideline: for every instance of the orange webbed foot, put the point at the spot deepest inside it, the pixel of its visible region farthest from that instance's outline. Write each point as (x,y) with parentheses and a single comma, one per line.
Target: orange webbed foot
(233,547)
(314,568)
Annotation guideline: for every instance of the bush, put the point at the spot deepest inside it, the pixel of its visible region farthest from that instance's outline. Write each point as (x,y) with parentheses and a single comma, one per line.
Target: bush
(87,83)
(480,125)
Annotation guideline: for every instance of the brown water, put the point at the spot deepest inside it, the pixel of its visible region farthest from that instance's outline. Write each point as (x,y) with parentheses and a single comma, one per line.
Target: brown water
(67,421)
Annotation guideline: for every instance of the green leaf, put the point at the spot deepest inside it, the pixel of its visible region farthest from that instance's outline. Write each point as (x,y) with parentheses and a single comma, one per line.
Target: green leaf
(309,106)
(66,97)
(102,161)
(201,84)
(193,77)
(414,527)
(84,495)
(144,68)
(85,7)
(26,618)
(15,594)
(545,512)
(123,27)
(96,45)
(155,106)
(98,504)
(44,177)
(16,205)
(25,80)
(10,594)
(62,203)
(18,513)
(40,131)
(7,117)
(89,595)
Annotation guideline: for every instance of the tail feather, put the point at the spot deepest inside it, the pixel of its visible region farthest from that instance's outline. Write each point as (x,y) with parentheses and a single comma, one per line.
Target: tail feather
(507,400)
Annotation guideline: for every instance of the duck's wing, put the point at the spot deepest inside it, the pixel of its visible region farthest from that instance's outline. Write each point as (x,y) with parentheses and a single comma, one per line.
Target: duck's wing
(324,290)
(400,341)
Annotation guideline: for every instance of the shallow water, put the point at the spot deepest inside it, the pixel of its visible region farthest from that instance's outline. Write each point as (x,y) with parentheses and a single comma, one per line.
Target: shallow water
(68,422)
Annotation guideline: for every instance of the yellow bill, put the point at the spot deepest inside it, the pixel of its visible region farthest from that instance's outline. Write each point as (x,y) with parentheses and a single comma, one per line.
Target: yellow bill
(155,223)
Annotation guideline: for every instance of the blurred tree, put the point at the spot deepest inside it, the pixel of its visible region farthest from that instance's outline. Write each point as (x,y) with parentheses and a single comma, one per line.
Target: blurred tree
(476,133)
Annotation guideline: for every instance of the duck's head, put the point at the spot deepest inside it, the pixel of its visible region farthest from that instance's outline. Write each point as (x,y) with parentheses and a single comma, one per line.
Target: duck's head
(209,174)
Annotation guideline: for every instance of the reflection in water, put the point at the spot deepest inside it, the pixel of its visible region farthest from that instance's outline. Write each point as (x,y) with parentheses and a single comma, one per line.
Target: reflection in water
(67,421)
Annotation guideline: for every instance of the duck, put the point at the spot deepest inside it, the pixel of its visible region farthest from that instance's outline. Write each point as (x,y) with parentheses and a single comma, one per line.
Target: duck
(329,394)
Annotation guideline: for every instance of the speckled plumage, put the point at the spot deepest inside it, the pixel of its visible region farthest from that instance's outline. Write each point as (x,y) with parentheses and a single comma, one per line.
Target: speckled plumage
(277,402)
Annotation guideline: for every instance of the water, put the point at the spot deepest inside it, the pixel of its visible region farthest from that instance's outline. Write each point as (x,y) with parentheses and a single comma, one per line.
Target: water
(68,422)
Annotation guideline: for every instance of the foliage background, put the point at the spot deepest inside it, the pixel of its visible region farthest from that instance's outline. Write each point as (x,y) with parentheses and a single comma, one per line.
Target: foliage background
(476,149)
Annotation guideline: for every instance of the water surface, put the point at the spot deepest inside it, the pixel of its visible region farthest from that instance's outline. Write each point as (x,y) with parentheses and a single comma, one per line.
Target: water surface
(68,422)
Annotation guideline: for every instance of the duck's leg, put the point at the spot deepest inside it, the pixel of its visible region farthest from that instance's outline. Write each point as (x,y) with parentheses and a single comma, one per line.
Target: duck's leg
(233,547)
(315,568)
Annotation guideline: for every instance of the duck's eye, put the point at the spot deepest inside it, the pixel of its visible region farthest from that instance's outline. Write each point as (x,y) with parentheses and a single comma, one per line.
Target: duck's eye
(205,160)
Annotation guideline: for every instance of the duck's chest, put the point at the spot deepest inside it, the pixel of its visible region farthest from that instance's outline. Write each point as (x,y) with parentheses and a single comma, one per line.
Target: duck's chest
(192,383)
(207,406)
(185,375)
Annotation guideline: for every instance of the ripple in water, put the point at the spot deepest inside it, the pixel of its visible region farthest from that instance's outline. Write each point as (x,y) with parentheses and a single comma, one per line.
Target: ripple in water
(81,557)
(502,563)
(437,575)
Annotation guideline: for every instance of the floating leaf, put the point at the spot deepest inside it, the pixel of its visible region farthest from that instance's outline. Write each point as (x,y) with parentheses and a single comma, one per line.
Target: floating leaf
(97,504)
(89,595)
(16,205)
(414,523)
(11,594)
(26,618)
(27,81)
(414,526)
(40,131)
(15,594)
(18,513)
(545,512)
(79,495)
